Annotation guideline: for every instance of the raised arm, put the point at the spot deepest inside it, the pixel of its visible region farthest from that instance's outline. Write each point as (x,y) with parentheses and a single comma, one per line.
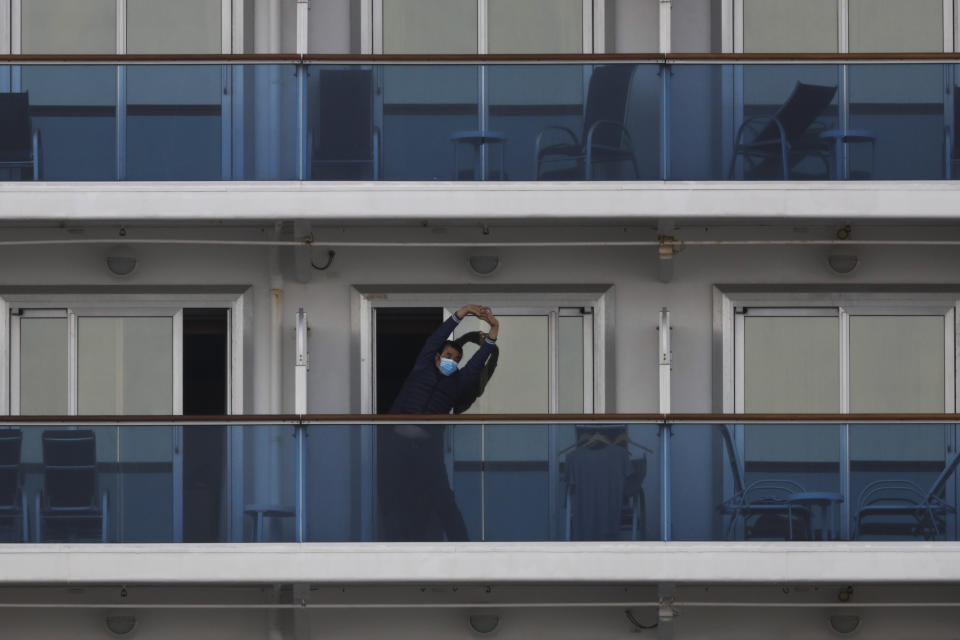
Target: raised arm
(471,371)
(436,339)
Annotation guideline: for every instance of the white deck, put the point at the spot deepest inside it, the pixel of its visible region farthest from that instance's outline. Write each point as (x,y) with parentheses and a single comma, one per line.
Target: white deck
(418,563)
(464,201)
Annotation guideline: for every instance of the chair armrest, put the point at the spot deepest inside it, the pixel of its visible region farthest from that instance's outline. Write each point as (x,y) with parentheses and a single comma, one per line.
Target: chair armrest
(539,146)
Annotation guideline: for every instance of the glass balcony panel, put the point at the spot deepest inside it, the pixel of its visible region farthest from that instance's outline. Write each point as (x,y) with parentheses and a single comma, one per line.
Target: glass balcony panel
(264,135)
(269,479)
(805,98)
(174,122)
(74,110)
(901,487)
(424,107)
(902,108)
(609,482)
(700,112)
(784,491)
(143,501)
(444,485)
(72,484)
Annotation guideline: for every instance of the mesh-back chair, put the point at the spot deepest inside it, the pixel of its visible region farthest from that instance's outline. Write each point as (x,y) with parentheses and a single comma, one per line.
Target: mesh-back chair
(778,143)
(19,143)
(70,505)
(13,506)
(890,508)
(763,506)
(604,139)
(344,143)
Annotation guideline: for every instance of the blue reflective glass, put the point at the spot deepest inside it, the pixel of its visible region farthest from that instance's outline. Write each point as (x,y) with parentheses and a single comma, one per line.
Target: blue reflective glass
(174,116)
(73,108)
(903,482)
(427,110)
(757,482)
(898,112)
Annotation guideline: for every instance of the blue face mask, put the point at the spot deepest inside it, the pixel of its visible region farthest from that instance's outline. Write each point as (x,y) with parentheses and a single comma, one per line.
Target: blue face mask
(447,366)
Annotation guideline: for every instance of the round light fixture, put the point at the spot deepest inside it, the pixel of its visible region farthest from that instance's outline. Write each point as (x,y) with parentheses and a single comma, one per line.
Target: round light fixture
(484,265)
(121,624)
(842,263)
(484,623)
(121,262)
(844,623)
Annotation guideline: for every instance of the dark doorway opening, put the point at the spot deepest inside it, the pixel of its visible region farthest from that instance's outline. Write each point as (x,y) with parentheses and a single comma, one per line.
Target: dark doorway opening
(401,333)
(205,373)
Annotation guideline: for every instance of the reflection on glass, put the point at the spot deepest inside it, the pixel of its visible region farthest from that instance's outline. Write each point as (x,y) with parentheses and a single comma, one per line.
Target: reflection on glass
(74,109)
(173,122)
(902,110)
(902,479)
(423,107)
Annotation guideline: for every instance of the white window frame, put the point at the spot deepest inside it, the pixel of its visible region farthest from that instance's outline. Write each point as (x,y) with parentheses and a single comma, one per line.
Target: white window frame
(733,42)
(230,18)
(371,25)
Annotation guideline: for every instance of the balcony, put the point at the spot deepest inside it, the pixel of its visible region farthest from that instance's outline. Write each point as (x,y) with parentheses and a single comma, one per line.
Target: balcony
(615,478)
(484,119)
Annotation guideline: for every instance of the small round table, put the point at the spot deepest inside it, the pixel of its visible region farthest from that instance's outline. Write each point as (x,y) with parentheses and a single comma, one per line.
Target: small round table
(477,139)
(845,137)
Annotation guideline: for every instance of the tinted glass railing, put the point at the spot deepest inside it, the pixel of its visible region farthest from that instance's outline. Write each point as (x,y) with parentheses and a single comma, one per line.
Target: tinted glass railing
(495,479)
(515,121)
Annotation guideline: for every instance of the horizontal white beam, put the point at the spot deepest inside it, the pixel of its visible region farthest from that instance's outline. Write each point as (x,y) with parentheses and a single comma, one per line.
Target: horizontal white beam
(452,201)
(419,563)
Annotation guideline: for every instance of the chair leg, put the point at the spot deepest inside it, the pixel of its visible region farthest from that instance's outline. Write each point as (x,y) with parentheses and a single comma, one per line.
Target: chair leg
(259,537)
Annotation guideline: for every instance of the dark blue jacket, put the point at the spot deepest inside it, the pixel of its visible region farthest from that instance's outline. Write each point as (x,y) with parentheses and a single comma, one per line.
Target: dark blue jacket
(426,390)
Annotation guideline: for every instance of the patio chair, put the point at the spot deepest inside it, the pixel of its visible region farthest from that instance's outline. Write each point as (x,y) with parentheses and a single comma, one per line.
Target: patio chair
(763,506)
(776,144)
(604,139)
(891,508)
(70,506)
(19,142)
(344,142)
(13,501)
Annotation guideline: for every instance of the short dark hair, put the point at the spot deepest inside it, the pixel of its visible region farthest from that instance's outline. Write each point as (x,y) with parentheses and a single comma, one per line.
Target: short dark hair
(451,343)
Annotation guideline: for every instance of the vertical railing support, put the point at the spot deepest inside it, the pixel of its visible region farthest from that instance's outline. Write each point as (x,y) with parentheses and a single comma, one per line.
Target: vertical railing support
(666,71)
(302,150)
(300,406)
(665,435)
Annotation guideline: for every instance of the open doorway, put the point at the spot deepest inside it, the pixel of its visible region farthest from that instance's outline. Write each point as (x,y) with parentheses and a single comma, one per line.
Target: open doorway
(205,371)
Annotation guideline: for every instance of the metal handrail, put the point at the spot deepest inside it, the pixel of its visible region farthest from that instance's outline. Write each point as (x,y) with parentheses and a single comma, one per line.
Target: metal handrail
(680,419)
(368,59)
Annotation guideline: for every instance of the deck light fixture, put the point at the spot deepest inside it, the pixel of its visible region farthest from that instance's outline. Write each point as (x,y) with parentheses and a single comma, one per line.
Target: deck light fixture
(842,263)
(484,623)
(844,623)
(120,623)
(484,265)
(121,261)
